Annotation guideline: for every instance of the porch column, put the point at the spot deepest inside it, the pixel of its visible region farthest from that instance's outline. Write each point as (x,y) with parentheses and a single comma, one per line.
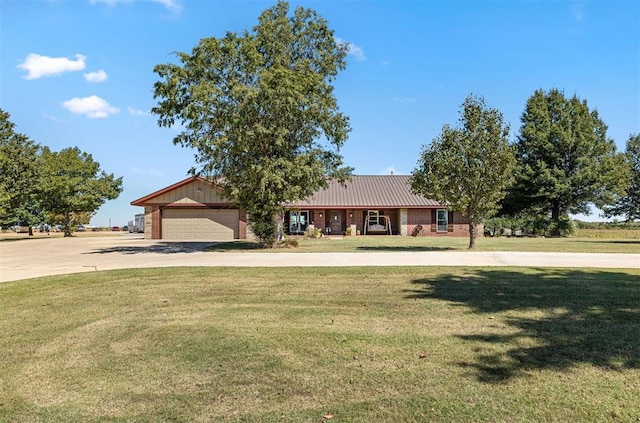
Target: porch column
(404,226)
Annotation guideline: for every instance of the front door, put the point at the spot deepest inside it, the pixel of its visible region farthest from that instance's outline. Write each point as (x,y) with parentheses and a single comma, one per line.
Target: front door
(336,222)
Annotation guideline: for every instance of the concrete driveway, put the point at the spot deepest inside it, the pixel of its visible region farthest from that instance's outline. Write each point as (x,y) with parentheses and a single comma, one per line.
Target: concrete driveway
(55,256)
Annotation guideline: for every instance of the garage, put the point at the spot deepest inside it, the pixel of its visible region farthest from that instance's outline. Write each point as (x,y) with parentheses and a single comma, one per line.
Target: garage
(200,224)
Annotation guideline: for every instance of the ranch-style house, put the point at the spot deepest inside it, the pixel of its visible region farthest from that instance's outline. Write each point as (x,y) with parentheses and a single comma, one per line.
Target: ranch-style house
(193,209)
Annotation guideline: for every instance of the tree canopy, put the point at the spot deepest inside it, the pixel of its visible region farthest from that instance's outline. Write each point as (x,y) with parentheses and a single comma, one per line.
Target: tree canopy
(470,167)
(628,205)
(73,186)
(259,110)
(565,159)
(18,176)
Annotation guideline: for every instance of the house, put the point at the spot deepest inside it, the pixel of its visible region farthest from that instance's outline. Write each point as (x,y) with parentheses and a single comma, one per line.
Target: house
(193,209)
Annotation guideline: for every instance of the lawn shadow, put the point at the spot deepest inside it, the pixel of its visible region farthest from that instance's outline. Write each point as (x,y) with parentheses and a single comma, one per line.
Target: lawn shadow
(157,248)
(559,319)
(607,241)
(403,248)
(234,246)
(14,239)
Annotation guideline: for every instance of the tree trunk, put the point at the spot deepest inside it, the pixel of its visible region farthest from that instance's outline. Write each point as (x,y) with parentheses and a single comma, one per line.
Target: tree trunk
(30,230)
(472,235)
(279,226)
(67,225)
(555,219)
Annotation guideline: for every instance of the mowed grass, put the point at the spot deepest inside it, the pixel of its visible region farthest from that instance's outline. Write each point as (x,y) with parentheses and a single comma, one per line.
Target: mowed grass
(322,344)
(387,243)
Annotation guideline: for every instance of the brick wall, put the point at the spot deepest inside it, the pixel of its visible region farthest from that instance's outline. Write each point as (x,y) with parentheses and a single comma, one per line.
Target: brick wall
(425,218)
(156,223)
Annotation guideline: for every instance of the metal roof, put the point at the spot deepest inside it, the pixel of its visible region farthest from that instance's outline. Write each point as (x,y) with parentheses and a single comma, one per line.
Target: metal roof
(379,191)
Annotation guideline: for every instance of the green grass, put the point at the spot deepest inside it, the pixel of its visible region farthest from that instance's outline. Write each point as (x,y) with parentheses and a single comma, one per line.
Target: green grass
(400,244)
(361,344)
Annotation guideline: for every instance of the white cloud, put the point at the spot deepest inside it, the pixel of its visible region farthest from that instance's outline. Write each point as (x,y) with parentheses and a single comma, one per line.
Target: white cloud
(136,112)
(110,3)
(93,107)
(353,50)
(39,66)
(53,118)
(172,5)
(99,76)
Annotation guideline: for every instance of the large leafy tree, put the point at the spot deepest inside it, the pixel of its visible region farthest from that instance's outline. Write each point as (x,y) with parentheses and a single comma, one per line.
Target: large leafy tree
(628,205)
(565,159)
(73,185)
(469,167)
(18,176)
(259,109)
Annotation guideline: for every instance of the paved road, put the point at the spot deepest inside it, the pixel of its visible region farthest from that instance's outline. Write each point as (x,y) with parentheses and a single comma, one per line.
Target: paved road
(55,256)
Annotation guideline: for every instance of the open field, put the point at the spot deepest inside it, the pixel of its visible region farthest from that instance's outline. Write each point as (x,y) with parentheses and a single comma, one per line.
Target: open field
(322,344)
(609,233)
(383,243)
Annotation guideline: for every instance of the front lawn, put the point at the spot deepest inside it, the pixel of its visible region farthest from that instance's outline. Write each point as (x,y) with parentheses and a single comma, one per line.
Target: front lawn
(321,344)
(386,243)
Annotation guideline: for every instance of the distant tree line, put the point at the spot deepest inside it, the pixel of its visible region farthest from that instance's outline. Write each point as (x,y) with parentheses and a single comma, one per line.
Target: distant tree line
(38,185)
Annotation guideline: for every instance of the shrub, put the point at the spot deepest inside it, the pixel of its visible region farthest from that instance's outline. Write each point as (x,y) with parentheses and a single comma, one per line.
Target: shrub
(313,233)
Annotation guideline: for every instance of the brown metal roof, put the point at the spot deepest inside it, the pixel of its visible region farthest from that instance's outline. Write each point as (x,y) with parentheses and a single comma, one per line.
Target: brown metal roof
(369,191)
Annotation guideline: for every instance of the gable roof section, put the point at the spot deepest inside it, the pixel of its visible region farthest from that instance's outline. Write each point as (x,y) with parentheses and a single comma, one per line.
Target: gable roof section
(373,191)
(147,198)
(377,191)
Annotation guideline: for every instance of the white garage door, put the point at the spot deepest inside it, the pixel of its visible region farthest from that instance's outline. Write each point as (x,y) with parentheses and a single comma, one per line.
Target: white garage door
(199,224)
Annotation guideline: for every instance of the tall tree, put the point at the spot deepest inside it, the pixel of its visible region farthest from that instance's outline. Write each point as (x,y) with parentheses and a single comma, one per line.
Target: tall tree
(469,167)
(565,159)
(259,109)
(18,177)
(628,205)
(72,184)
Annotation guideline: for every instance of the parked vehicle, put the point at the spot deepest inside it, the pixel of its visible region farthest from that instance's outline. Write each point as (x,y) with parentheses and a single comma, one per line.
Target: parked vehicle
(138,224)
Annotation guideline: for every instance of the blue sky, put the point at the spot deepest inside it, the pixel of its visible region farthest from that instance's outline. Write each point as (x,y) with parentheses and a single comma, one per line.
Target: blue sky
(80,72)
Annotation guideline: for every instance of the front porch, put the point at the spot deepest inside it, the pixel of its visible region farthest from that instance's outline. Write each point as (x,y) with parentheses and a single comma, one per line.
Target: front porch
(344,221)
(383,221)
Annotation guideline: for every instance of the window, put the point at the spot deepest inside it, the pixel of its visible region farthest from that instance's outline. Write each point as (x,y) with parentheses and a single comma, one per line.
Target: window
(373,217)
(442,220)
(298,221)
